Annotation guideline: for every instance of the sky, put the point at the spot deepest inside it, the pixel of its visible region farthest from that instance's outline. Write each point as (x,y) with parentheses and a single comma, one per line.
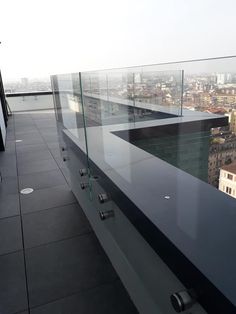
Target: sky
(39,38)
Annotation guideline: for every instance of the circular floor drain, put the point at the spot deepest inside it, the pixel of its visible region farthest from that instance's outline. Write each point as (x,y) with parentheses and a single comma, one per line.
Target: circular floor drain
(18,141)
(27,191)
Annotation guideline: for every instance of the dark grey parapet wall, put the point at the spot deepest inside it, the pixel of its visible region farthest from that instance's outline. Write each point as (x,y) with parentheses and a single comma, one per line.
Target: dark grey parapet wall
(183,230)
(30,101)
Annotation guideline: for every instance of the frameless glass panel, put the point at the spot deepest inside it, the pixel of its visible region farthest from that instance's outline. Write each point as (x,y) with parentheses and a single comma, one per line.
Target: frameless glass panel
(209,87)
(208,84)
(68,103)
(157,135)
(160,91)
(70,122)
(124,99)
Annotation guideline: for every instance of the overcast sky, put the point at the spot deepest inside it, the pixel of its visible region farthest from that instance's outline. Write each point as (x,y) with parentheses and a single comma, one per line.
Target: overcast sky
(42,37)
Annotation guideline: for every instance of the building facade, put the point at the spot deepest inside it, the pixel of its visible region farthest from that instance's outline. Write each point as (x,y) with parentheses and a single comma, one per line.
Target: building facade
(227,181)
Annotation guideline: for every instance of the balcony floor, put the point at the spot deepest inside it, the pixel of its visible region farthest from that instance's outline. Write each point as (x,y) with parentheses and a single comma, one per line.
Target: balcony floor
(50,260)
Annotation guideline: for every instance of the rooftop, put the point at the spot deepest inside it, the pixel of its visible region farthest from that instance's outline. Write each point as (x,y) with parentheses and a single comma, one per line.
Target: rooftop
(50,259)
(139,166)
(230,168)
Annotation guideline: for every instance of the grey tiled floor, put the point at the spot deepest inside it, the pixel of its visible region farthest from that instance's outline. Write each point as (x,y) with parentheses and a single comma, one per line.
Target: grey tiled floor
(50,259)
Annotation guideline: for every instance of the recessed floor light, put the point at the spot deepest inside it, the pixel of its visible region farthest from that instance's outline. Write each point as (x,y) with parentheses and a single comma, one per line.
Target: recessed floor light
(27,191)
(18,141)
(167,197)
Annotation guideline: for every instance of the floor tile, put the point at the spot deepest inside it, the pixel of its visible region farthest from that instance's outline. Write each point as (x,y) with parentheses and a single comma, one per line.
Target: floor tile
(105,299)
(10,127)
(48,130)
(27,138)
(13,297)
(19,120)
(25,128)
(53,145)
(47,198)
(30,140)
(37,166)
(22,117)
(61,163)
(9,185)
(55,152)
(23,157)
(23,121)
(19,133)
(7,159)
(59,269)
(50,138)
(41,124)
(10,147)
(10,235)
(42,180)
(10,205)
(54,224)
(66,174)
(31,148)
(8,171)
(27,135)
(43,115)
(10,136)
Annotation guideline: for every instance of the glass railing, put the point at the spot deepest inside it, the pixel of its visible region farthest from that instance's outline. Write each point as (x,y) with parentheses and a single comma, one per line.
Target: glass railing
(27,85)
(158,135)
(209,85)
(137,94)
(161,139)
(142,95)
(27,101)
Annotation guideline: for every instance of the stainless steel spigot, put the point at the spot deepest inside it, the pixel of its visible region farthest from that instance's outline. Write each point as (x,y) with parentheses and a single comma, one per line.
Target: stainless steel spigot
(105,214)
(83,172)
(183,300)
(84,185)
(103,198)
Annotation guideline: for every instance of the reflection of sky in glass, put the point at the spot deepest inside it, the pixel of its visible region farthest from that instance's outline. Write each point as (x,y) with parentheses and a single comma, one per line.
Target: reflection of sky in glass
(65,84)
(227,64)
(203,66)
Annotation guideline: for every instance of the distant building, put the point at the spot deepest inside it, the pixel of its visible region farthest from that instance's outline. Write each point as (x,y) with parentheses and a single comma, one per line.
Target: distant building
(232,120)
(229,78)
(227,181)
(217,110)
(220,78)
(225,96)
(222,152)
(138,78)
(24,81)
